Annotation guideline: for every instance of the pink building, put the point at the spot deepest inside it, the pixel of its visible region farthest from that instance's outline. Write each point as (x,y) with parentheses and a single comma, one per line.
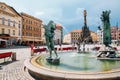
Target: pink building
(114,31)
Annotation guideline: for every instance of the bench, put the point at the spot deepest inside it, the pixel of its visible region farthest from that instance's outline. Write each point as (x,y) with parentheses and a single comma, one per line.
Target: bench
(6,54)
(39,50)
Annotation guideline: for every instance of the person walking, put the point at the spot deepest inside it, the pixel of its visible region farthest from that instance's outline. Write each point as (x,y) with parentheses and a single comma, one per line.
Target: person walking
(32,50)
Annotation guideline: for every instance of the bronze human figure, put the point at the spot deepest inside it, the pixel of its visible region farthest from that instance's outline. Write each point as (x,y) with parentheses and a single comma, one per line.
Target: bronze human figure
(49,35)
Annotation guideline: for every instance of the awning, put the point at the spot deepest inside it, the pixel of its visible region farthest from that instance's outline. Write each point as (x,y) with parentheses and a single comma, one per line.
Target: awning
(3,40)
(31,40)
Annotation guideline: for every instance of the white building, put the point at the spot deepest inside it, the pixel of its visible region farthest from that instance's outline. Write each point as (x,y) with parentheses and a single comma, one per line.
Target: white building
(10,24)
(58,34)
(67,38)
(100,35)
(72,37)
(43,35)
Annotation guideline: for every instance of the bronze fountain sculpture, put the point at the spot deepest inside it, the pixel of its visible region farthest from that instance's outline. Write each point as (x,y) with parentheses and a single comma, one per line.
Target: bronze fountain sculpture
(49,35)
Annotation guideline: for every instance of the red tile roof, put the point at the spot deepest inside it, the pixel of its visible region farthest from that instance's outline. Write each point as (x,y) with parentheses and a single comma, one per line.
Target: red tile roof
(58,26)
(76,31)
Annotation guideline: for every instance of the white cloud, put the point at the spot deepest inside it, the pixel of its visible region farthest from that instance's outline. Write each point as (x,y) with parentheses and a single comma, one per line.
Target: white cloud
(39,13)
(49,14)
(67,11)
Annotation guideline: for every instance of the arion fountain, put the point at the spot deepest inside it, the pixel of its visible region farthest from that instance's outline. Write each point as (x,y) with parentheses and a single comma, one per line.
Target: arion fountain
(72,66)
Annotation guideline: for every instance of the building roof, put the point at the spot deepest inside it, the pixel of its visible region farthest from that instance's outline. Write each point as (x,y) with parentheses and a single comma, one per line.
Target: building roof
(11,8)
(25,14)
(58,26)
(15,11)
(77,30)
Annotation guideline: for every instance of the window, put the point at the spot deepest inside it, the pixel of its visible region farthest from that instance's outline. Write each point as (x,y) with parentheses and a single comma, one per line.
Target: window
(26,21)
(19,33)
(3,30)
(14,24)
(26,34)
(19,25)
(8,22)
(30,28)
(26,27)
(23,33)
(23,26)
(13,32)
(3,21)
(29,21)
(8,31)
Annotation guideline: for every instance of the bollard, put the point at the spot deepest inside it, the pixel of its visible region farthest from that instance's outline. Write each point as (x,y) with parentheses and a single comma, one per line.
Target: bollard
(13,56)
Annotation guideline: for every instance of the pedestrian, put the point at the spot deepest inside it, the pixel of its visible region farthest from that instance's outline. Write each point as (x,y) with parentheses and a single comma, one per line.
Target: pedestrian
(32,49)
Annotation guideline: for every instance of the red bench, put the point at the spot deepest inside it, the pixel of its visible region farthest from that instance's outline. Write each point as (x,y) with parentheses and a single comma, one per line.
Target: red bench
(115,48)
(5,54)
(65,49)
(39,50)
(57,48)
(69,48)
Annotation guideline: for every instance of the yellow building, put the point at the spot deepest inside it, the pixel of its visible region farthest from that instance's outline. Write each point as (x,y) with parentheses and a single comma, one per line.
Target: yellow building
(94,36)
(10,24)
(31,30)
(72,37)
(75,34)
(67,38)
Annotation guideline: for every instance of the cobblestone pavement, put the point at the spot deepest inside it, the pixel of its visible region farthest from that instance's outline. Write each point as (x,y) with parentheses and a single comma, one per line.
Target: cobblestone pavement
(14,70)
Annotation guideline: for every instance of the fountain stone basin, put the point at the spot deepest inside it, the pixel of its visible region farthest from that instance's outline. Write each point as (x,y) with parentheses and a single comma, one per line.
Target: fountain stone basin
(73,66)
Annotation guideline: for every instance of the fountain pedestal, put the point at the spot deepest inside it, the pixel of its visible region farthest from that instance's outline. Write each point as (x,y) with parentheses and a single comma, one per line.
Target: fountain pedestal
(109,54)
(54,61)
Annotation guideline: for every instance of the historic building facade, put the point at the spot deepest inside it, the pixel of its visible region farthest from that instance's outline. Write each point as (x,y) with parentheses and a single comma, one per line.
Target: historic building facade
(114,32)
(75,34)
(43,35)
(118,34)
(100,35)
(31,30)
(10,24)
(58,34)
(72,37)
(67,38)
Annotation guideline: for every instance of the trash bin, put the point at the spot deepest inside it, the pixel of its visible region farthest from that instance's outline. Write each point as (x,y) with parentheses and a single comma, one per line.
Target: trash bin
(13,56)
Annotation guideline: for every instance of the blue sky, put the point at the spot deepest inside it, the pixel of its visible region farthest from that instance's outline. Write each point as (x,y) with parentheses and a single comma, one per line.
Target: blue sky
(69,13)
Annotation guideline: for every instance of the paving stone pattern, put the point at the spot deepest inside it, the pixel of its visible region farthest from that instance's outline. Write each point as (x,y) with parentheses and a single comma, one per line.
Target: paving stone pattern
(14,70)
